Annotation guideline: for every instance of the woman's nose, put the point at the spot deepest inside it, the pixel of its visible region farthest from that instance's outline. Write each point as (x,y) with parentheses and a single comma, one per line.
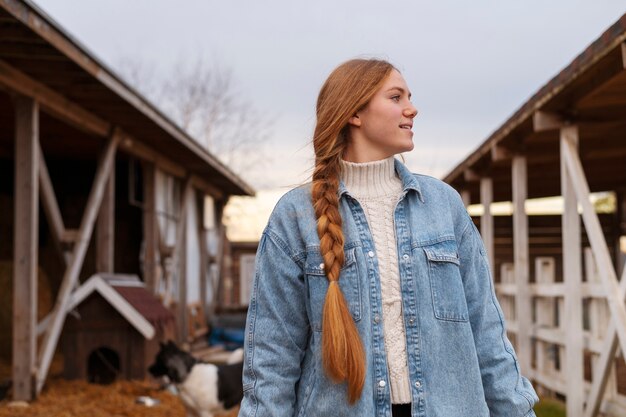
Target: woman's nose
(410,111)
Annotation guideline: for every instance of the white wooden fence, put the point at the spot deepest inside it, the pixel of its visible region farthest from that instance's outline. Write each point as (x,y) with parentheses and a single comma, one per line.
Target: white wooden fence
(549,367)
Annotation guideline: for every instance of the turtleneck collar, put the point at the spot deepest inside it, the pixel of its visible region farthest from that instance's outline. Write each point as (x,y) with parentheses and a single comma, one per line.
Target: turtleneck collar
(371,179)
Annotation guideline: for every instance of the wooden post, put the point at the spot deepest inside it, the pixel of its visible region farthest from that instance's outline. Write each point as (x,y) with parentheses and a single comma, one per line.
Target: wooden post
(105,228)
(466,197)
(25,238)
(572,278)
(180,260)
(544,275)
(486,221)
(521,261)
(204,258)
(150,227)
(70,277)
(223,252)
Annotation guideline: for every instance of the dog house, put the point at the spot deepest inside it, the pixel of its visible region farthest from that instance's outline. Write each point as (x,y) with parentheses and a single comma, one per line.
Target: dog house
(113,329)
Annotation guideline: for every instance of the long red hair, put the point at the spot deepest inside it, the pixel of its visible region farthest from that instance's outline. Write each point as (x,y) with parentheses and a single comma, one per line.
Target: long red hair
(347,90)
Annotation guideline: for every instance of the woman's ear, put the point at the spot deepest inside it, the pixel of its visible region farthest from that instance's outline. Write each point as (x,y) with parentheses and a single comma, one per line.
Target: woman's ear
(355,121)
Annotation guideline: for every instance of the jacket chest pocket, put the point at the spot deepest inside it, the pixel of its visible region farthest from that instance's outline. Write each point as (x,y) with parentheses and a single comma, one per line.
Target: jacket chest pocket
(446,285)
(317,284)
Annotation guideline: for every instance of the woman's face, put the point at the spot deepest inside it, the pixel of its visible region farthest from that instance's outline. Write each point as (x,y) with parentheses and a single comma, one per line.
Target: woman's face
(383,127)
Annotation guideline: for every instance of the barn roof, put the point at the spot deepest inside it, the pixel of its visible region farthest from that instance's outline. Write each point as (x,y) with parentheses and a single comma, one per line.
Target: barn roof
(128,295)
(589,92)
(37,47)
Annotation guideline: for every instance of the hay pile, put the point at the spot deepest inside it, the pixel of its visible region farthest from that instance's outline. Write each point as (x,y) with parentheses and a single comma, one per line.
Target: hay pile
(62,398)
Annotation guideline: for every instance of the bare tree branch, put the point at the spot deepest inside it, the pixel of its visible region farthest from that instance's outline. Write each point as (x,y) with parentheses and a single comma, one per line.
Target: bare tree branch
(202,98)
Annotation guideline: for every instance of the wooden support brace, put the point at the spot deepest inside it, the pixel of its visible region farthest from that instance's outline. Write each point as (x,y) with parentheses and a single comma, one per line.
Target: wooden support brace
(70,277)
(614,294)
(51,208)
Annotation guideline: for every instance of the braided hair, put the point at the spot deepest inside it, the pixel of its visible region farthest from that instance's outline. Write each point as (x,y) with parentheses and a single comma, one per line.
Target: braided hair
(347,90)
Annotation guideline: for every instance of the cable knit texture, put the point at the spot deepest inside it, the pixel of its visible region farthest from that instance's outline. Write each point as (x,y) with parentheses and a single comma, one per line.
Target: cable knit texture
(377,188)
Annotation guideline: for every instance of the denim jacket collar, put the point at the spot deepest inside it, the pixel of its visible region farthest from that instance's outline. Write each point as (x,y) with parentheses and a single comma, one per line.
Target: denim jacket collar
(409,181)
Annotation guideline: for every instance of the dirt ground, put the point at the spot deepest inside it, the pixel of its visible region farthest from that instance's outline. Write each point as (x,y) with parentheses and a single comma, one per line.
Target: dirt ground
(62,398)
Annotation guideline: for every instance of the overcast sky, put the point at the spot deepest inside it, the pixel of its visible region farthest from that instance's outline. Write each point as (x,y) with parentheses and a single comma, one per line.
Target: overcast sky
(469,64)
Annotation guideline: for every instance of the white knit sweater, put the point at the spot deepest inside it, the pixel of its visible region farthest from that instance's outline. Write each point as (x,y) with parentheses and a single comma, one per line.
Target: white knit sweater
(377,188)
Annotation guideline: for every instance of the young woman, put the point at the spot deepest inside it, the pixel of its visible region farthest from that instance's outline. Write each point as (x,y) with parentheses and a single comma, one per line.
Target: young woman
(373,295)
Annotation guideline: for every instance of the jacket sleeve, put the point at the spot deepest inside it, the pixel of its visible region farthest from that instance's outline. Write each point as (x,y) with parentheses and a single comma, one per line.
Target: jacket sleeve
(277,330)
(507,392)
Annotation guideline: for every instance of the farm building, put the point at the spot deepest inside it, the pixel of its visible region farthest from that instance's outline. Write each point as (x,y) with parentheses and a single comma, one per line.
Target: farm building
(557,274)
(93,179)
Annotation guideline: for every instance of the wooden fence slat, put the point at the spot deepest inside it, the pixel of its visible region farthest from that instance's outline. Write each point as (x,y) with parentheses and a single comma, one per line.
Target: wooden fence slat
(602,368)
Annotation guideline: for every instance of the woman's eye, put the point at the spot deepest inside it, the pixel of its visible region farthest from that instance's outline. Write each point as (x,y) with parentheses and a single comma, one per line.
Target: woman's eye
(395,98)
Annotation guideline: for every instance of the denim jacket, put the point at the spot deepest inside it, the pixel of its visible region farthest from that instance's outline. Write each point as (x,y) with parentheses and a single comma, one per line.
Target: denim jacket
(461,363)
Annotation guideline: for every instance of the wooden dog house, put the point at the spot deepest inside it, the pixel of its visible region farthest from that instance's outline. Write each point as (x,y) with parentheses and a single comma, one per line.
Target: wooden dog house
(113,329)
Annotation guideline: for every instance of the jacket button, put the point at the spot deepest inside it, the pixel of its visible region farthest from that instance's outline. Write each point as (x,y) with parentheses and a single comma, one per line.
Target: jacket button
(405,257)
(417,384)
(376,318)
(322,265)
(411,320)
(382,383)
(370,254)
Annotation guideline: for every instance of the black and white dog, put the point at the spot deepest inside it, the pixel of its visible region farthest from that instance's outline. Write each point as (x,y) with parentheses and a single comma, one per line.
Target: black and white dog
(204,388)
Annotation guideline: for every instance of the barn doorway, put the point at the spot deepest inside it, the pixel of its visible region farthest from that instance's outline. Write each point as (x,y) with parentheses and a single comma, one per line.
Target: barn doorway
(103,366)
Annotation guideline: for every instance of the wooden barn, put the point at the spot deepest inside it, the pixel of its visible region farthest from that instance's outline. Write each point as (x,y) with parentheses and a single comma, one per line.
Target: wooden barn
(557,270)
(93,179)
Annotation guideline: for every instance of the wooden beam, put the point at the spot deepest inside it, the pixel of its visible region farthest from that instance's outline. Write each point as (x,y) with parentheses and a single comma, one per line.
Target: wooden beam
(572,277)
(52,102)
(500,153)
(486,220)
(25,238)
(105,228)
(150,227)
(623,48)
(70,277)
(543,121)
(470,175)
(145,153)
(206,187)
(523,301)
